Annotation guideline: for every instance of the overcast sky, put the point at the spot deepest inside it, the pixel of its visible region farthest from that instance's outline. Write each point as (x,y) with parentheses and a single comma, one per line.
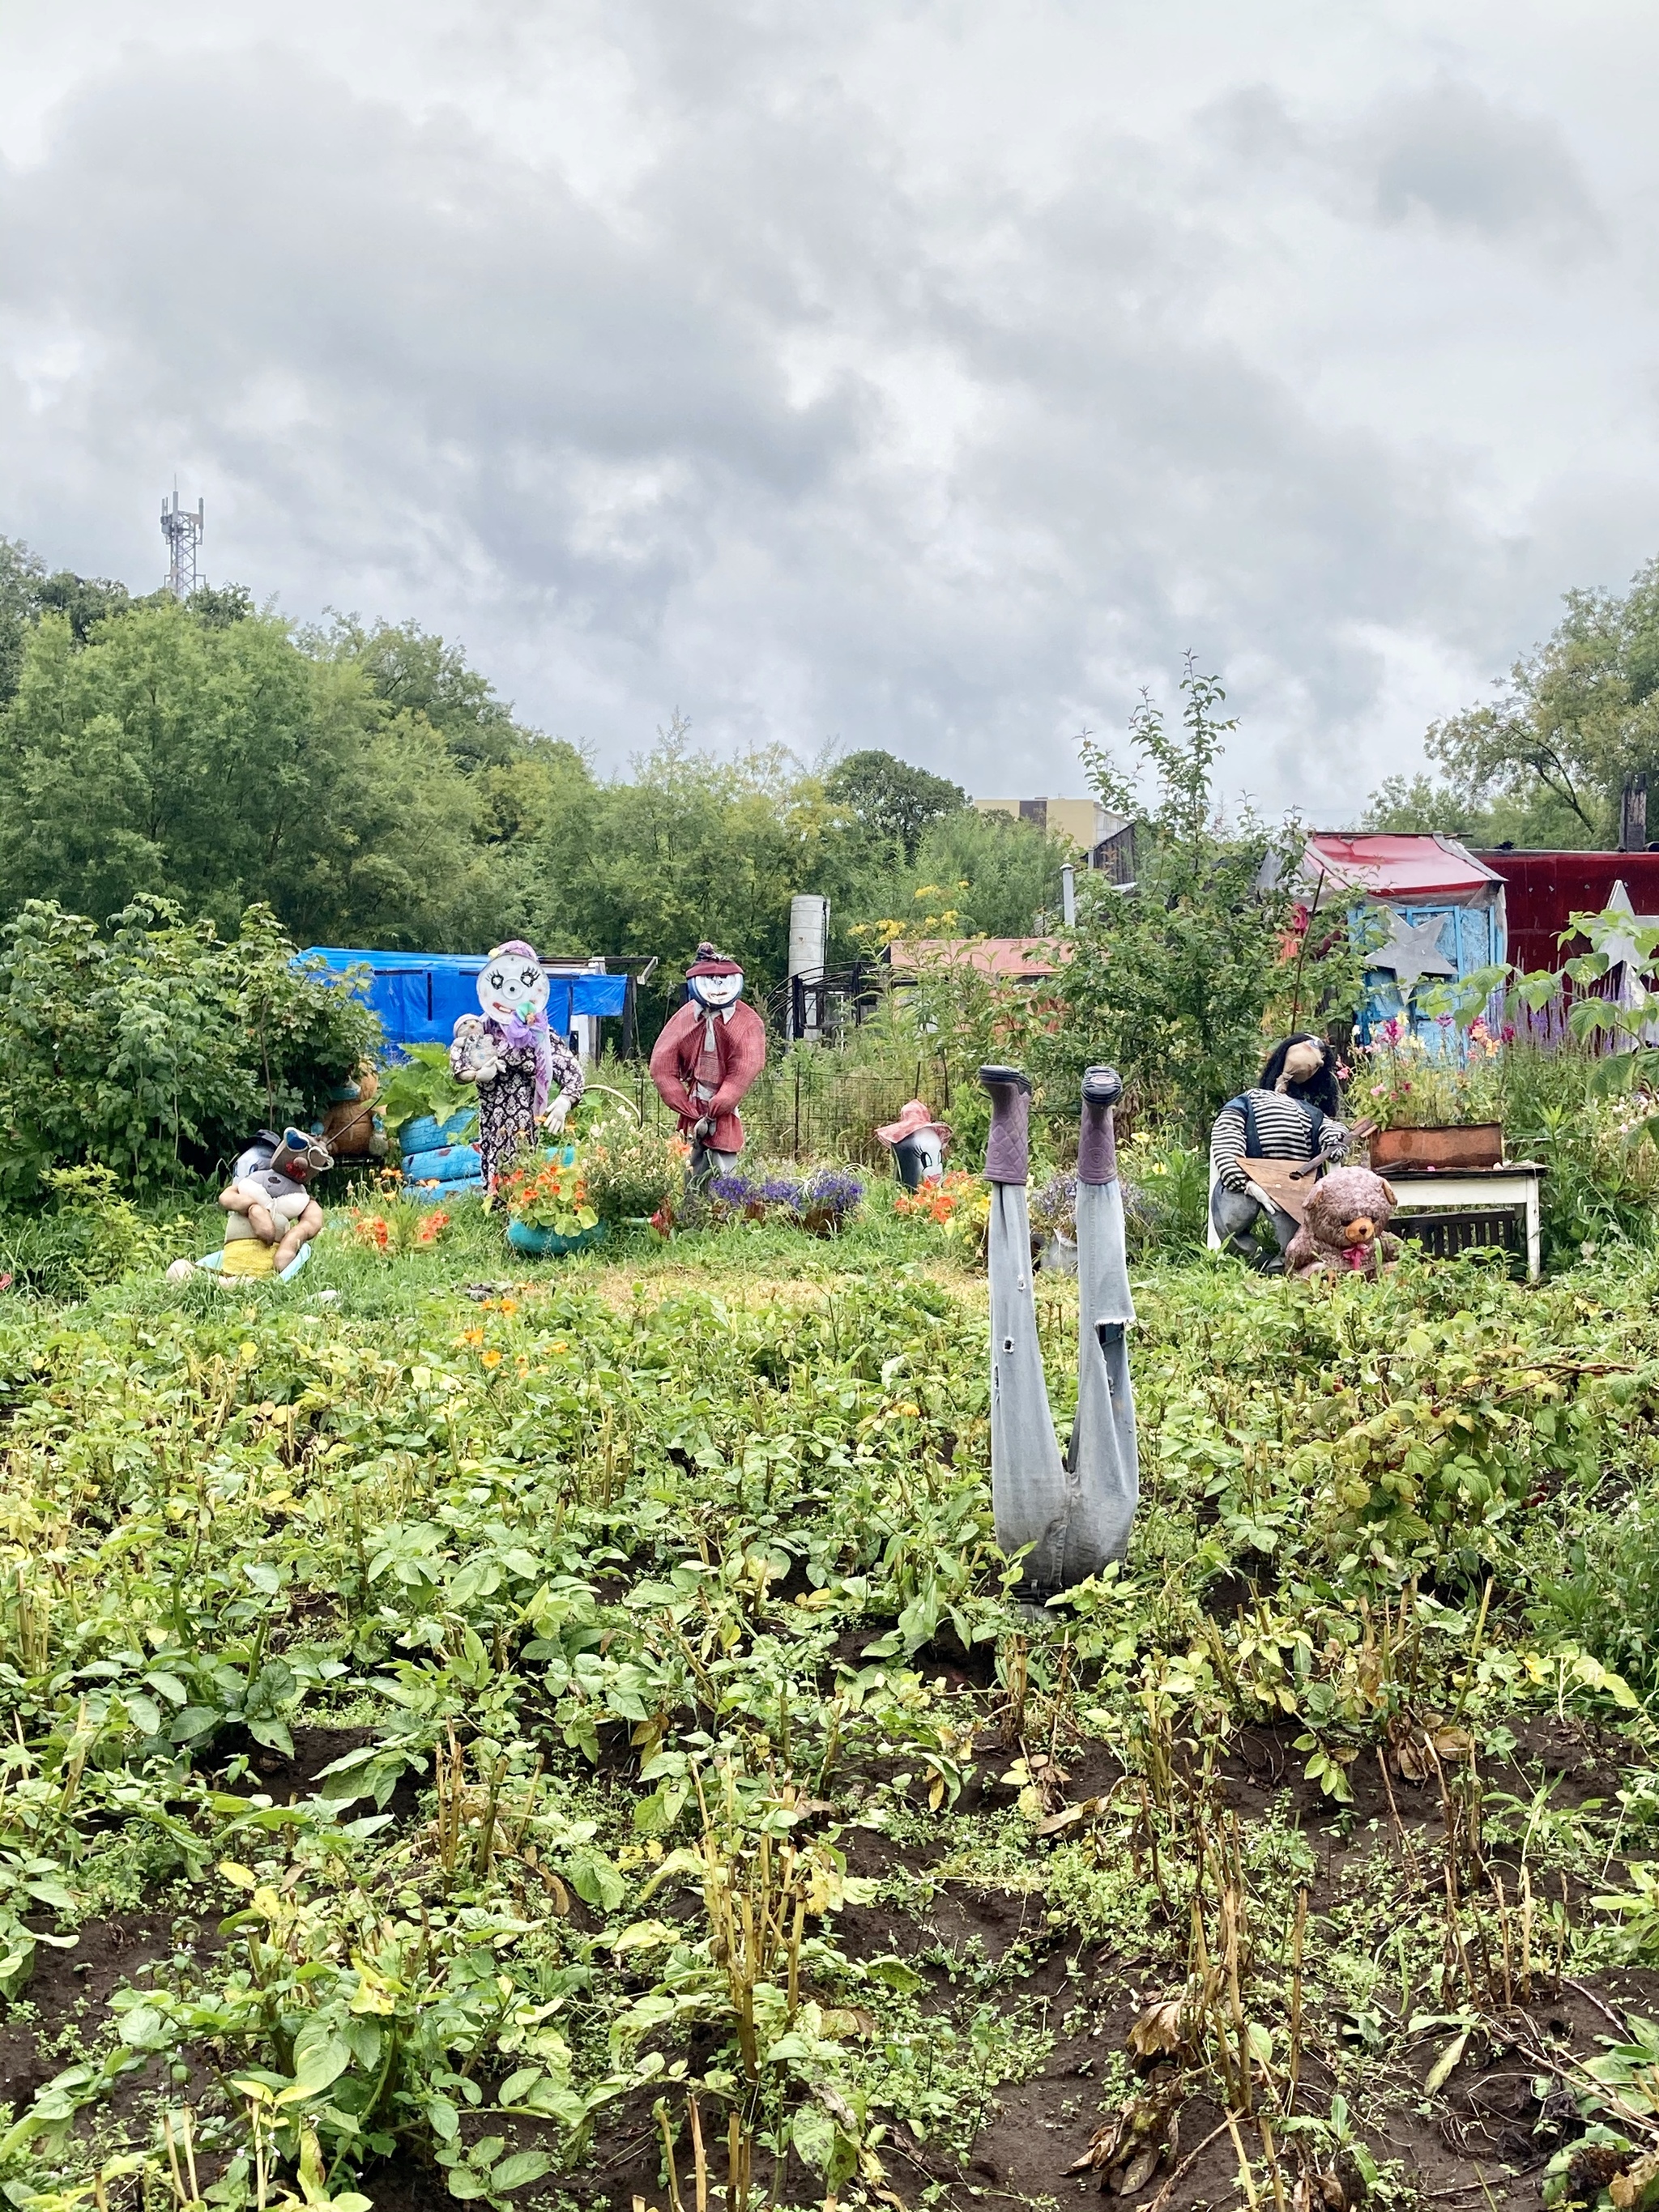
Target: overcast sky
(928,374)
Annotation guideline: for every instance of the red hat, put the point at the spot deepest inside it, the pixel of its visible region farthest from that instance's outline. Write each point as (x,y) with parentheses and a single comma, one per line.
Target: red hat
(710,962)
(913,1119)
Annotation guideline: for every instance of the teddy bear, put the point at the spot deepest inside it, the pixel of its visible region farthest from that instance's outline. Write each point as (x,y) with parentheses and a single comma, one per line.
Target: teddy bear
(350,1127)
(1343,1230)
(472,1056)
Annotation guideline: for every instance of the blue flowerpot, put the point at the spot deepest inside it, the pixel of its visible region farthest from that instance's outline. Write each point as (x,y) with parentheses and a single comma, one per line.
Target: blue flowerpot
(547,1243)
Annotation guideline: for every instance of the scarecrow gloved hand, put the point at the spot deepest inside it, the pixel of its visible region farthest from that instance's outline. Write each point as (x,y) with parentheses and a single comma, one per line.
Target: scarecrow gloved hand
(553,1120)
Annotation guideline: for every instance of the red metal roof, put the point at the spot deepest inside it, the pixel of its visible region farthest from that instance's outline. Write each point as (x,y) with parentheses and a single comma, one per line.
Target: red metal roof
(1026,959)
(1397,868)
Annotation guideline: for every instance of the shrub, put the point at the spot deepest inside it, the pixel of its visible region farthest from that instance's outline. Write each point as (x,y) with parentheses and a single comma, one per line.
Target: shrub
(632,1171)
(161,1047)
(89,1234)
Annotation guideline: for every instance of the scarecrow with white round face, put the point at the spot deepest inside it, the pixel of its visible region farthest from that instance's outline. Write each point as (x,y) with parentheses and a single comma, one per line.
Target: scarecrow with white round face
(918,1143)
(526,1077)
(710,1051)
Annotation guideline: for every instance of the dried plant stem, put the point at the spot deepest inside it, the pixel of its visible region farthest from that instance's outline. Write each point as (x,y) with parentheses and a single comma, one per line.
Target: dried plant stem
(1297,1935)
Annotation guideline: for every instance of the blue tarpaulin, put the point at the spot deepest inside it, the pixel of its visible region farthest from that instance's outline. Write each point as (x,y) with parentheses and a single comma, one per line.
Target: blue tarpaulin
(419,995)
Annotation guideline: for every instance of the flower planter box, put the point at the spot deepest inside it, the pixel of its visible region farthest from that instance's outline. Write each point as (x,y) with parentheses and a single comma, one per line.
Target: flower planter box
(1479,1145)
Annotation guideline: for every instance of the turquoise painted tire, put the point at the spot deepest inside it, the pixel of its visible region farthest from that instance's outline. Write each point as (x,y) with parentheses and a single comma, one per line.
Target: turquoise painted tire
(547,1243)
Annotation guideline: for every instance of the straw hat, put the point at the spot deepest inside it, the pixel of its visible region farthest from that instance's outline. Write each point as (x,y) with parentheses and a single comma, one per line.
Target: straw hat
(912,1121)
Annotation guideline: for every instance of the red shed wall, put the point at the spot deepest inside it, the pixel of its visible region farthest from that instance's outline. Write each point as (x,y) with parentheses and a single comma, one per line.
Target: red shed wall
(1542,889)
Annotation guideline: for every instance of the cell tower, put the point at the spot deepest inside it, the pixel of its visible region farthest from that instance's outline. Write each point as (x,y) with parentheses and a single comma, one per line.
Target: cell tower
(183,533)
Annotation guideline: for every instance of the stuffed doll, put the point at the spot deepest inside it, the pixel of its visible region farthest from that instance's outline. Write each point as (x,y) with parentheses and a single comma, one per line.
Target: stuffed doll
(1291,1113)
(270,1211)
(526,1077)
(710,1051)
(1343,1234)
(350,1129)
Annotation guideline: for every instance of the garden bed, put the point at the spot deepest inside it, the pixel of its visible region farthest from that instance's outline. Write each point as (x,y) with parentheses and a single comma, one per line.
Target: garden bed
(407,1682)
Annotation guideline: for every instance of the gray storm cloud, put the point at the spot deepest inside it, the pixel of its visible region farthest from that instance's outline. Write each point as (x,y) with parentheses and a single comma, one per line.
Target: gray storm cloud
(757,400)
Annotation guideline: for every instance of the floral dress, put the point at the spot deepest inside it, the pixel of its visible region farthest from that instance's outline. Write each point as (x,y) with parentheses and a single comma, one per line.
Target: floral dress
(506,1105)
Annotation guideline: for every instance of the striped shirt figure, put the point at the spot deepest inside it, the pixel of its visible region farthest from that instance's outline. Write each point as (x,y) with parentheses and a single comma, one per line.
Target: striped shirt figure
(1290,1114)
(1284,1130)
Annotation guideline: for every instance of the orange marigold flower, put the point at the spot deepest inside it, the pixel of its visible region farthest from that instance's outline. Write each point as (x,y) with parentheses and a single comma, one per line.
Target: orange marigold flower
(492,1358)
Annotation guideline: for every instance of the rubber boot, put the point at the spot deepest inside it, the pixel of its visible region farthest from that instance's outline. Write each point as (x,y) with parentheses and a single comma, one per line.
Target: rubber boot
(1008,1149)
(1097,1150)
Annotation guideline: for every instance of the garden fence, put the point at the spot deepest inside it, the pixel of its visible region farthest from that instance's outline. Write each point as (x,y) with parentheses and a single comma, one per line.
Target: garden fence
(806,1104)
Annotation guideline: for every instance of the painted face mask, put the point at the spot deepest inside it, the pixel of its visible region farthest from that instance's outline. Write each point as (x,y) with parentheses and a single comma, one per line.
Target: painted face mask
(921,1160)
(512,990)
(714,992)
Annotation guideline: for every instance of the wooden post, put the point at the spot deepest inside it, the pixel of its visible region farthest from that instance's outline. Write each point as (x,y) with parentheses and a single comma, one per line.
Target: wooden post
(1633,815)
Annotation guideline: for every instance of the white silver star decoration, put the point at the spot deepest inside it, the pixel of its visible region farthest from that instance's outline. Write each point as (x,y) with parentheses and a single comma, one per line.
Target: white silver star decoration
(1620,946)
(1412,951)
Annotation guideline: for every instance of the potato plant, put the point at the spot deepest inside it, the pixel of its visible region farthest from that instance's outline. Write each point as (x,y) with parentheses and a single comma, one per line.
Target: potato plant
(564,1735)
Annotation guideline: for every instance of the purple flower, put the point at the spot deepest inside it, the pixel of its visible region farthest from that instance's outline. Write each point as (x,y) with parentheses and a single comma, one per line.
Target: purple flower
(834,1191)
(779,1190)
(731,1190)
(1055,1206)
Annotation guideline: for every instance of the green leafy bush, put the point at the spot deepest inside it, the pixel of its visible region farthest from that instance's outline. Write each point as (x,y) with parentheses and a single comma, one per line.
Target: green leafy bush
(161,1047)
(632,1172)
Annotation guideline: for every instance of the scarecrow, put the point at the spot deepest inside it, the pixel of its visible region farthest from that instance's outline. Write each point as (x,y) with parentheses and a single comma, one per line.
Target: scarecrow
(1292,1114)
(270,1211)
(1070,1516)
(918,1143)
(709,1052)
(512,1056)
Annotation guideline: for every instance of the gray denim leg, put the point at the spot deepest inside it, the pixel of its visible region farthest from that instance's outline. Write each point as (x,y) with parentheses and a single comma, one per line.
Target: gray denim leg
(1103,1459)
(1029,1485)
(1235,1214)
(705,1163)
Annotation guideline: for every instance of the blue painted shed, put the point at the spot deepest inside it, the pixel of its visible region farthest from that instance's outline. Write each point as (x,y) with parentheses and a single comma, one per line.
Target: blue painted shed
(1445,910)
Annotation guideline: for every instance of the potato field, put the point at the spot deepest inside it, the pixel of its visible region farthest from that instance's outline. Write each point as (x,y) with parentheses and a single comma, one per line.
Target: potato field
(556,1734)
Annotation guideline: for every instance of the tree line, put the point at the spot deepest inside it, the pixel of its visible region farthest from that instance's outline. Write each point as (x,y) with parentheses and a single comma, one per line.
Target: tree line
(371,787)
(1545,761)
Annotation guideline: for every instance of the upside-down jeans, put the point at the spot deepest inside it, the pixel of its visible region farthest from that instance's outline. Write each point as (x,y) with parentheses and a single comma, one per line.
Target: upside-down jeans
(1073,1512)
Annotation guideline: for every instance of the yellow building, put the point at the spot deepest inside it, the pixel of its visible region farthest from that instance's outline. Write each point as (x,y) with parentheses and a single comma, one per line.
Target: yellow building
(1105,839)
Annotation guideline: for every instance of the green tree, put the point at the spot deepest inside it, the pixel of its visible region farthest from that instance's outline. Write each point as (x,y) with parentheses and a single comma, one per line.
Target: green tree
(20,578)
(892,802)
(690,847)
(1178,979)
(998,876)
(1544,763)
(214,762)
(84,602)
(414,670)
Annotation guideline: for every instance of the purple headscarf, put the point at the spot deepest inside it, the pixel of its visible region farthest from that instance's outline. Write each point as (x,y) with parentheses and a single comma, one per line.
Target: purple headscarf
(534,1033)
